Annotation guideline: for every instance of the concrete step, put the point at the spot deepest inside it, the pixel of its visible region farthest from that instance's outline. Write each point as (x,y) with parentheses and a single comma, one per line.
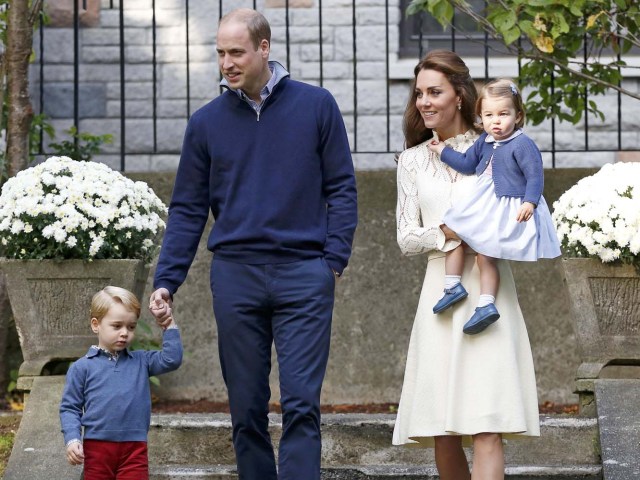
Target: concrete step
(364,440)
(383,472)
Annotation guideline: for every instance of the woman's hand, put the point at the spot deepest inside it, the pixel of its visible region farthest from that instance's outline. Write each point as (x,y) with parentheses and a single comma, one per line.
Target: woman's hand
(448,233)
(525,212)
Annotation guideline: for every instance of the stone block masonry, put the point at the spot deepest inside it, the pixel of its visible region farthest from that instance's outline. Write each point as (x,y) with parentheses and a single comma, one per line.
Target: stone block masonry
(359,83)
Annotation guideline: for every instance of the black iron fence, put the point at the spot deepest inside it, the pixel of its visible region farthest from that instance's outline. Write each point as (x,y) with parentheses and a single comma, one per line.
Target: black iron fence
(315,36)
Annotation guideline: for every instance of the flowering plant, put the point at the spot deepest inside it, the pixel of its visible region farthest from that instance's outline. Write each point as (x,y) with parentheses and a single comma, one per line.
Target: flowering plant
(65,209)
(600,215)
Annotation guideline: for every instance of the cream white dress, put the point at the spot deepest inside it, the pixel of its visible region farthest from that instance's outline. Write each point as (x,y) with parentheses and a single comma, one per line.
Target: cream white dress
(457,384)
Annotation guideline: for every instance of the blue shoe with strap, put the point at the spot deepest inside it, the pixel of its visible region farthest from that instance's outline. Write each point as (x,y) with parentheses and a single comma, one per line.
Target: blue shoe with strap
(450,298)
(481,319)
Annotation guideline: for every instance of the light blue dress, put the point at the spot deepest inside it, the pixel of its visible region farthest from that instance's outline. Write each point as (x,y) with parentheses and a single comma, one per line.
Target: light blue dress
(487,223)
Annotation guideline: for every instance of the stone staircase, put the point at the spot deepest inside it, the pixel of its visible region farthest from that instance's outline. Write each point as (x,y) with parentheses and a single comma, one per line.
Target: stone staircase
(358,447)
(355,446)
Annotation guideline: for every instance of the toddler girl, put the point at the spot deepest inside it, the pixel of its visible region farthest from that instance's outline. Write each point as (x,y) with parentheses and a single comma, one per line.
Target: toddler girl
(494,220)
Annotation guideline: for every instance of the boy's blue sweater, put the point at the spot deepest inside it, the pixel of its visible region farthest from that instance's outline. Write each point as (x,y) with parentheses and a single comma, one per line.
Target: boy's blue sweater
(111,399)
(280,184)
(516,167)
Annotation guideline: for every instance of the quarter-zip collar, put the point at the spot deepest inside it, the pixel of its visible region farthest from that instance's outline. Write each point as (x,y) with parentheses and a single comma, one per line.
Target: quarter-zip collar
(278,72)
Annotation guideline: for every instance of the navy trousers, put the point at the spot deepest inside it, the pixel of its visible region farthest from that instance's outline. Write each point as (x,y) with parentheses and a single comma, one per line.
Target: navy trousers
(256,305)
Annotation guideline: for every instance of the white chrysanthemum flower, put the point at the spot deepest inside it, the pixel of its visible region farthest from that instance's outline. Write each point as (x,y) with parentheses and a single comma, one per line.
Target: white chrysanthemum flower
(60,201)
(17,226)
(48,231)
(600,214)
(60,235)
(634,245)
(48,179)
(95,246)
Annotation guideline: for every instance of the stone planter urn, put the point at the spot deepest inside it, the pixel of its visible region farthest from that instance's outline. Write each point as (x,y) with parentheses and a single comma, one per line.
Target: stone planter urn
(50,300)
(605,305)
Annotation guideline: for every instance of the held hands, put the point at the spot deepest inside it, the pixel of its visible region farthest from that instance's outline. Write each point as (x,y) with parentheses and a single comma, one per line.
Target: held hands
(160,306)
(436,146)
(525,212)
(75,453)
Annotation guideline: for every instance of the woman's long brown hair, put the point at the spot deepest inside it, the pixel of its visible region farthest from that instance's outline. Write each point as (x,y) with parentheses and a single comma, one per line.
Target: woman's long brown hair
(457,72)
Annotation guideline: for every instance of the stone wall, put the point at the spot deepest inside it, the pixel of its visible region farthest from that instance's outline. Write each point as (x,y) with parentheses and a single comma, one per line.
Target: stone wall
(375,305)
(358,82)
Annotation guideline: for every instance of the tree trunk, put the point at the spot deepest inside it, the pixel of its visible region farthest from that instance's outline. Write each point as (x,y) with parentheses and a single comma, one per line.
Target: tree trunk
(19,44)
(15,63)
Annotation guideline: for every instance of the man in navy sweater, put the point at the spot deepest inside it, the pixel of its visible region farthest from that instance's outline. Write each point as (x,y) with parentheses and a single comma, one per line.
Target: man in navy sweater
(271,160)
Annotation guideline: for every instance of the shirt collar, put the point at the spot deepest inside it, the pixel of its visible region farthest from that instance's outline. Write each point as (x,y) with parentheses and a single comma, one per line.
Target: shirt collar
(95,350)
(490,138)
(278,72)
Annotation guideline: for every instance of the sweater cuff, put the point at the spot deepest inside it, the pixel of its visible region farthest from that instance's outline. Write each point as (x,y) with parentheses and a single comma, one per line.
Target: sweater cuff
(166,286)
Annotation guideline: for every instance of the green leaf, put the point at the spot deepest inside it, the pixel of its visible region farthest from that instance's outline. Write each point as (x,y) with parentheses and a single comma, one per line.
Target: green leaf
(504,21)
(527,27)
(511,35)
(575,10)
(540,3)
(417,6)
(442,11)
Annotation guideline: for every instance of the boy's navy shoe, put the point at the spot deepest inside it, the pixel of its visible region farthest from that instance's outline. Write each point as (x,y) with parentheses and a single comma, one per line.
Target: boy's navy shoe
(481,319)
(451,297)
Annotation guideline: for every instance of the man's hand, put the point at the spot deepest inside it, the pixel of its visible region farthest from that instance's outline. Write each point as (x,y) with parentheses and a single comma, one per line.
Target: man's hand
(160,306)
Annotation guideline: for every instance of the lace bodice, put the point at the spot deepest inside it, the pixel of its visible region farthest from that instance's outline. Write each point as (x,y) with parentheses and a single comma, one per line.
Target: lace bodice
(427,187)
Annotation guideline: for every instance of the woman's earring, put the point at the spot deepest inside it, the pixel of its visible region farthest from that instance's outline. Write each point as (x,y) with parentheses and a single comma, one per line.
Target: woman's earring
(459,106)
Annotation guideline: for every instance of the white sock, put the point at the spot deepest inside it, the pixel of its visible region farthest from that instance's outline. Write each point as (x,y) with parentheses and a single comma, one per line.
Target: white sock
(485,300)
(451,281)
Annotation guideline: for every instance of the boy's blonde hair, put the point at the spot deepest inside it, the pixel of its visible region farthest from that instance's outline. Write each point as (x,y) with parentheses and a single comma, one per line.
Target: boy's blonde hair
(502,88)
(105,298)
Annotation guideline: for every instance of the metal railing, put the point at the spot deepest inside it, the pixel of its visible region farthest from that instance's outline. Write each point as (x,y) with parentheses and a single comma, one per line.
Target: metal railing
(286,11)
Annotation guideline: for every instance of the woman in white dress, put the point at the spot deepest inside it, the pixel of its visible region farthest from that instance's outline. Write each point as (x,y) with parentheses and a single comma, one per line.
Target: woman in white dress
(458,389)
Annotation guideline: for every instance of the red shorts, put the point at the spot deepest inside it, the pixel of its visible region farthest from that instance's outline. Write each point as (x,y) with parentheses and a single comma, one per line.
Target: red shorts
(105,460)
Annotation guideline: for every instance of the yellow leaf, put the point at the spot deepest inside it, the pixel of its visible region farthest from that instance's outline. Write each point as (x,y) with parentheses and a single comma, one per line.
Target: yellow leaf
(591,21)
(544,44)
(16,405)
(539,24)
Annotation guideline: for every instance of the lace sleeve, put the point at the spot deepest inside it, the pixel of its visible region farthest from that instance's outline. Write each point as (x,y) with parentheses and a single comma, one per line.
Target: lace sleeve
(413,237)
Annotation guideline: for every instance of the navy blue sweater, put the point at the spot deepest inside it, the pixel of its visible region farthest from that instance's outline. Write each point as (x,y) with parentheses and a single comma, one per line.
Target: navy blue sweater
(516,168)
(111,399)
(280,186)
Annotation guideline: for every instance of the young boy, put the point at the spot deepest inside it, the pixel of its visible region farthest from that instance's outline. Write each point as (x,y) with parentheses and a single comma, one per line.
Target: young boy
(107,391)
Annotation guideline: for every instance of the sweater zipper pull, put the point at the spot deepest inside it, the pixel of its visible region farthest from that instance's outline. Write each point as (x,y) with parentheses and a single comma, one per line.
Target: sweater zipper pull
(257,116)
